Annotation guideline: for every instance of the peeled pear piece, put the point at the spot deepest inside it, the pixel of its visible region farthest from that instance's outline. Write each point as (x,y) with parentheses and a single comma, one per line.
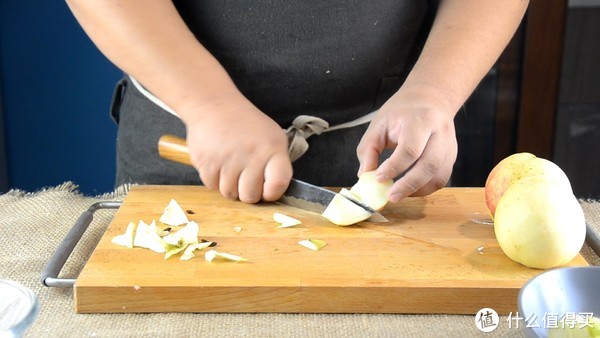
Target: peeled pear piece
(173,214)
(370,191)
(126,239)
(186,235)
(342,211)
(146,237)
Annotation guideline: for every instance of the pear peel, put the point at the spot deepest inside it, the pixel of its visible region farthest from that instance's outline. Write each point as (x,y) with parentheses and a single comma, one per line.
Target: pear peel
(178,241)
(285,221)
(211,255)
(313,244)
(189,250)
(171,250)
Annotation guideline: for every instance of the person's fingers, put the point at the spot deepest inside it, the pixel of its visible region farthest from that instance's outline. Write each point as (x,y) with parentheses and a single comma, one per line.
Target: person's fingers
(209,175)
(423,171)
(409,148)
(369,149)
(228,179)
(442,177)
(278,173)
(437,182)
(250,184)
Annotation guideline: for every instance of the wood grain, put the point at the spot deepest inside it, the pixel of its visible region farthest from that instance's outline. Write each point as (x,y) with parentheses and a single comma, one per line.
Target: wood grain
(174,148)
(436,255)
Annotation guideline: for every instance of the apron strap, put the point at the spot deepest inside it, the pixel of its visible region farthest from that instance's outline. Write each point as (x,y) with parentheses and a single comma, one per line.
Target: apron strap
(303,126)
(152,98)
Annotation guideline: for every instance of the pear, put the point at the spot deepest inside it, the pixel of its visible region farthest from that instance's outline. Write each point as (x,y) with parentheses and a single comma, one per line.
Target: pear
(173,214)
(514,168)
(342,211)
(540,223)
(368,191)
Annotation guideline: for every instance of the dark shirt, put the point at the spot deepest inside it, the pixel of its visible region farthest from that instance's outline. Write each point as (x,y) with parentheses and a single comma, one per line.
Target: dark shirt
(334,59)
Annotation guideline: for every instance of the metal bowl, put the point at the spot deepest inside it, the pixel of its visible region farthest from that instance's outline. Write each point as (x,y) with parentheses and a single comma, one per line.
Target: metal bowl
(552,298)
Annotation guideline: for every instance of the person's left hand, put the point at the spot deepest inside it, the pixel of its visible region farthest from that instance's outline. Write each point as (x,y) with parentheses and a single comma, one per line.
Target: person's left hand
(419,126)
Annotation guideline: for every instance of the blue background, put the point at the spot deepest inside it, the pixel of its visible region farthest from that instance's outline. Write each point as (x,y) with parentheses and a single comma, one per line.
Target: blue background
(56,92)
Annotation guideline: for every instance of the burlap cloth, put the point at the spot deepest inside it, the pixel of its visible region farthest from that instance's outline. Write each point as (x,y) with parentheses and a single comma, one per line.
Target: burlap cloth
(33,224)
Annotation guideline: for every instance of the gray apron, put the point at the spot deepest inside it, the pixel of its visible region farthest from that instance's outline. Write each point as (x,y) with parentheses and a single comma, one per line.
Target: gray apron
(336,60)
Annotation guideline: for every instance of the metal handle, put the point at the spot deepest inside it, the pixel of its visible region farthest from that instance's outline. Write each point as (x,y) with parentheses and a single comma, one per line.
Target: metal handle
(60,256)
(593,240)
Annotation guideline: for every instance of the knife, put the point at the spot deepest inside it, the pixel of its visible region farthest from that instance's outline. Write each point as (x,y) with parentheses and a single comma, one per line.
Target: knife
(299,194)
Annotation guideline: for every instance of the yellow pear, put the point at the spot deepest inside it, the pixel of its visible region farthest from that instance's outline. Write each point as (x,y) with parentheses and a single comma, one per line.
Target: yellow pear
(539,222)
(514,168)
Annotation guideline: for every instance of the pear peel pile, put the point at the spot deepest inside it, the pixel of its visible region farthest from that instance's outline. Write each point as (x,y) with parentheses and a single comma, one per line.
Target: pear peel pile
(148,236)
(151,237)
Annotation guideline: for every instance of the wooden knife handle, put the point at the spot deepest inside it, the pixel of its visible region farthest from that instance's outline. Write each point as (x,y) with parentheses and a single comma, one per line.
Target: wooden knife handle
(174,148)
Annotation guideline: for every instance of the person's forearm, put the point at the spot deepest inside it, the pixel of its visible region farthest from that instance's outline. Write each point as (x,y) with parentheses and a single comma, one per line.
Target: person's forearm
(465,41)
(150,41)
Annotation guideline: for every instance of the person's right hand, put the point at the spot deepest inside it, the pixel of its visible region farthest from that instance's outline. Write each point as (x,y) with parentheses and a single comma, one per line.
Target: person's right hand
(236,148)
(239,150)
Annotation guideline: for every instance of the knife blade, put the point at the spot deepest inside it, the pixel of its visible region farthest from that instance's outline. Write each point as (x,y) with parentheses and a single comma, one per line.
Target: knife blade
(299,194)
(309,197)
(306,196)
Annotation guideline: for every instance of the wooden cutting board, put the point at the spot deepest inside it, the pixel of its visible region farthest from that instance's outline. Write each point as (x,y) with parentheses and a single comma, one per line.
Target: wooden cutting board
(438,254)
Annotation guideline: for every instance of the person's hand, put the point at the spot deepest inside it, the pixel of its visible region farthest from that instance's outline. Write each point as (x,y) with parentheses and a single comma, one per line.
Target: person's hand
(239,151)
(420,129)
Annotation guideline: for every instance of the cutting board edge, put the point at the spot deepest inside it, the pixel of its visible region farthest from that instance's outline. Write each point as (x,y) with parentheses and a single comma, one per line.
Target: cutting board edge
(402,300)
